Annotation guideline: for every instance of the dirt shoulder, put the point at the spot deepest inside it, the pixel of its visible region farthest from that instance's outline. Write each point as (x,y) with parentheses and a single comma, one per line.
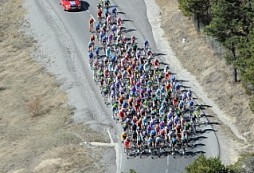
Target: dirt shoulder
(216,78)
(37,133)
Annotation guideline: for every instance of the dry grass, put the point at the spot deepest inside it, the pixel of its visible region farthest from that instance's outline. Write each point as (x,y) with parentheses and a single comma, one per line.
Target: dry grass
(34,107)
(210,70)
(28,142)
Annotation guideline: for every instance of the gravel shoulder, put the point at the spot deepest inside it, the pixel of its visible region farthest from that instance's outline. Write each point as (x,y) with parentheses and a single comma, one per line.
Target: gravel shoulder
(229,112)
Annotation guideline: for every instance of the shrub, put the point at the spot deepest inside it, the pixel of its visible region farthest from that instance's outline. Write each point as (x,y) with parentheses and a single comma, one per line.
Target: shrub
(210,165)
(34,106)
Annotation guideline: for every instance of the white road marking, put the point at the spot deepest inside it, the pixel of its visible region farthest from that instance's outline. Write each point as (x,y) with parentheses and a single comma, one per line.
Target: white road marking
(110,137)
(166,171)
(121,161)
(168,160)
(99,144)
(103,144)
(119,156)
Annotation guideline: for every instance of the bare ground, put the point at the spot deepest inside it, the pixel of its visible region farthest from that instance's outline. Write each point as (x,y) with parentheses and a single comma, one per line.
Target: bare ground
(36,130)
(215,76)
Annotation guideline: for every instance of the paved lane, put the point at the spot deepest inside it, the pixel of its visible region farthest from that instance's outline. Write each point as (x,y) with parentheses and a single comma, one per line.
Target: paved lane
(75,25)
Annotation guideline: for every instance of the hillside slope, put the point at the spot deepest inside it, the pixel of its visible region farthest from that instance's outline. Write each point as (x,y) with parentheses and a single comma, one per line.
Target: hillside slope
(216,78)
(36,129)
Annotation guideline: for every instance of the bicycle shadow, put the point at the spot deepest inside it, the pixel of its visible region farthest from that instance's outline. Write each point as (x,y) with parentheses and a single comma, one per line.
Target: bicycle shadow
(177,80)
(128,30)
(112,6)
(205,130)
(120,12)
(159,54)
(197,138)
(144,155)
(213,123)
(197,145)
(190,154)
(203,105)
(127,20)
(184,86)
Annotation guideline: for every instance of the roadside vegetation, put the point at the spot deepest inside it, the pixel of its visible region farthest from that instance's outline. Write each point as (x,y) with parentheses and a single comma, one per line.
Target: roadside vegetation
(37,134)
(231,22)
(213,165)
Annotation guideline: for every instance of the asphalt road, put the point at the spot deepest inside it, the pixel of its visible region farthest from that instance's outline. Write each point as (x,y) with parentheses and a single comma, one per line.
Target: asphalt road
(86,93)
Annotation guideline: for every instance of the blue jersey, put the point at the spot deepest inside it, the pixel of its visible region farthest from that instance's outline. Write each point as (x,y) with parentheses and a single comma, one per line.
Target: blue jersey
(90,55)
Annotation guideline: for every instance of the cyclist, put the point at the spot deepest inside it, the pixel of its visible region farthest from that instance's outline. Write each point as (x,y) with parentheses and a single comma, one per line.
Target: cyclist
(99,14)
(114,29)
(133,38)
(114,12)
(139,141)
(108,19)
(91,23)
(90,46)
(158,141)
(119,22)
(97,52)
(108,51)
(173,142)
(127,145)
(123,136)
(106,12)
(90,56)
(189,94)
(99,5)
(92,38)
(107,3)
(146,45)
(184,141)
(150,143)
(97,29)
(197,113)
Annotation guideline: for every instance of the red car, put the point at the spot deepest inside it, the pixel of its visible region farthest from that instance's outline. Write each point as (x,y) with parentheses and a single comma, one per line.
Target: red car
(69,5)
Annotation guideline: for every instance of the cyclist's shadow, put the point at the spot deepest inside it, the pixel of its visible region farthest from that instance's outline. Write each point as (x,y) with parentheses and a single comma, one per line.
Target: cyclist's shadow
(190,154)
